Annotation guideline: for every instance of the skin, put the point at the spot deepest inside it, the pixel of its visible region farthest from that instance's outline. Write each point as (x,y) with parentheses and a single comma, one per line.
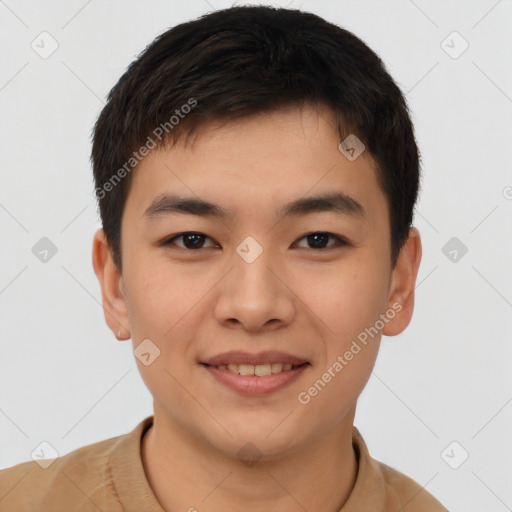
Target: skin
(307,301)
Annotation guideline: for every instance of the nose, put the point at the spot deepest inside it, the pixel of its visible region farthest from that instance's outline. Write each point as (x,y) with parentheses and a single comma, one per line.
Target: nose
(255,296)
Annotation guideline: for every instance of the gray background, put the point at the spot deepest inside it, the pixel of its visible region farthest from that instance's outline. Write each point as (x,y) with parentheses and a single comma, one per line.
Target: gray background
(64,379)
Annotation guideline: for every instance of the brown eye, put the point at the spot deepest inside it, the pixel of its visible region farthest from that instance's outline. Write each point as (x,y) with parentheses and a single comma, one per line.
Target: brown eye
(193,241)
(318,240)
(190,240)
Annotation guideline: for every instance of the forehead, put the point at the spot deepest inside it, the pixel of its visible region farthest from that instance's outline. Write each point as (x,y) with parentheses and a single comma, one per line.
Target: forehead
(280,159)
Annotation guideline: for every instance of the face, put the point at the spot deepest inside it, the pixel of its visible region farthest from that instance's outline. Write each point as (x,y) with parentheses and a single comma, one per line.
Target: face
(310,282)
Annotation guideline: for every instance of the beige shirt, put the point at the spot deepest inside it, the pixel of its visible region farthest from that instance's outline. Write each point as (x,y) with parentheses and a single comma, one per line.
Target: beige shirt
(108,476)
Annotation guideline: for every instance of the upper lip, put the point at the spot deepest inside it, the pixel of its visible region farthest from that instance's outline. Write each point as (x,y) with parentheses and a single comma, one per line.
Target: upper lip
(267,356)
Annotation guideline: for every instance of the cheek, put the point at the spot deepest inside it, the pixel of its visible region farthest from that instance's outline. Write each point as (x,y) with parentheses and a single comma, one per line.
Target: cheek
(162,308)
(345,299)
(164,305)
(349,310)
(159,297)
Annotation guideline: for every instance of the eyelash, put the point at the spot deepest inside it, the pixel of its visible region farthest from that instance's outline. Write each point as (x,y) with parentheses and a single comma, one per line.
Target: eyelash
(340,241)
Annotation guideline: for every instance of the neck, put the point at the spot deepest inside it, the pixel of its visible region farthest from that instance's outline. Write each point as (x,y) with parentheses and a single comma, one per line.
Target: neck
(185,473)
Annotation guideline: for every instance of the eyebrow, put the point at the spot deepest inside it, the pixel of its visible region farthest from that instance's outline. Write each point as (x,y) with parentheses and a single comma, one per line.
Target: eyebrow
(172,204)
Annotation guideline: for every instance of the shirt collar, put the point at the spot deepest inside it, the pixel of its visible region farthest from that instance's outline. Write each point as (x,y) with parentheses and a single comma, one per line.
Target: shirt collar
(135,494)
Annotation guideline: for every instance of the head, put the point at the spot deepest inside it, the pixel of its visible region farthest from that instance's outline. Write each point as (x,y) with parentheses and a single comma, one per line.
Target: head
(236,115)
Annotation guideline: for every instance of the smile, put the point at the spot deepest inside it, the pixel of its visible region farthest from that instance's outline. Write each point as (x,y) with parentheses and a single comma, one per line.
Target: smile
(259,370)
(256,380)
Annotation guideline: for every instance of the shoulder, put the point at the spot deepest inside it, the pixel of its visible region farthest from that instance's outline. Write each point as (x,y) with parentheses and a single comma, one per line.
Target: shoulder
(381,488)
(406,491)
(72,479)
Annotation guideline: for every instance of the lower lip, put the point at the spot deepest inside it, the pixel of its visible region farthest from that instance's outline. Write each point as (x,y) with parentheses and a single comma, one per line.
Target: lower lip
(251,385)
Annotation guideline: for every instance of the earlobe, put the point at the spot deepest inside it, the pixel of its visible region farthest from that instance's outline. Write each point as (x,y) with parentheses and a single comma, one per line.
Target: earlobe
(111,284)
(403,284)
(122,335)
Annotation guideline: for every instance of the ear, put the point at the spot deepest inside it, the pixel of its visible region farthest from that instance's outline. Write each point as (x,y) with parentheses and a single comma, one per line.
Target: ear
(111,283)
(403,283)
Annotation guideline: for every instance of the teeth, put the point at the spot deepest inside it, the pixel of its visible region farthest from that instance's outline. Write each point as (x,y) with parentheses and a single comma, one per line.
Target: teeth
(259,369)
(276,367)
(246,369)
(262,369)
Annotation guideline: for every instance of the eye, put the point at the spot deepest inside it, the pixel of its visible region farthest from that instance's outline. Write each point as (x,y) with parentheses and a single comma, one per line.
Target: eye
(319,239)
(191,240)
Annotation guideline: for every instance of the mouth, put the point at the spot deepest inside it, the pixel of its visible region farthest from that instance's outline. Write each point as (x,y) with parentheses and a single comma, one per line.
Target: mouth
(258,370)
(260,359)
(255,374)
